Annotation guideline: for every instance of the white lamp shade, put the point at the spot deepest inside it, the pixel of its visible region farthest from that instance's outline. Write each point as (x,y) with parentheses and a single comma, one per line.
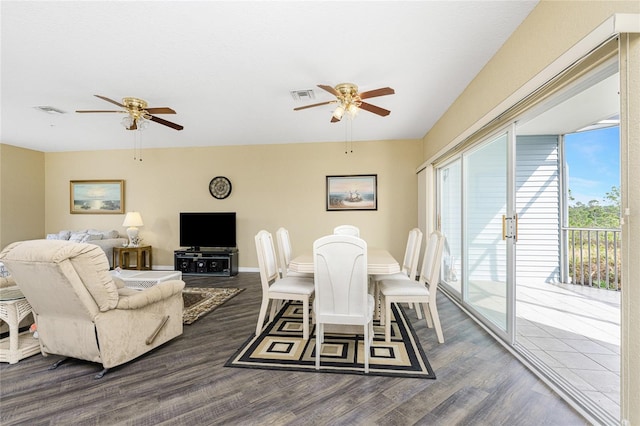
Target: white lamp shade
(142,124)
(338,112)
(127,122)
(133,219)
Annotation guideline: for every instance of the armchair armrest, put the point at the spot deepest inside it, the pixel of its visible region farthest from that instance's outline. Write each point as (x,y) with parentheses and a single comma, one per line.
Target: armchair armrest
(119,282)
(150,295)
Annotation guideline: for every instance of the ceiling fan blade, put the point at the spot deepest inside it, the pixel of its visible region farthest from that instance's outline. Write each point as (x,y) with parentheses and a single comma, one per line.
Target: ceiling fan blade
(314,105)
(160,110)
(334,119)
(166,123)
(374,109)
(329,89)
(104,98)
(383,91)
(134,126)
(98,111)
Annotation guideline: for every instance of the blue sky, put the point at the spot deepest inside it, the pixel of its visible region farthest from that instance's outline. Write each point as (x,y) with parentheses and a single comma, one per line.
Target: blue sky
(593,158)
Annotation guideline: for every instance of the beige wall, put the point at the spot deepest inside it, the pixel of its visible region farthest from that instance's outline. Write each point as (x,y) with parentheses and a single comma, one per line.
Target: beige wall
(630,190)
(21,194)
(273,186)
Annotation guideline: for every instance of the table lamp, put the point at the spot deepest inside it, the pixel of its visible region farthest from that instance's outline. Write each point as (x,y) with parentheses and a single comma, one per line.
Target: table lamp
(133,220)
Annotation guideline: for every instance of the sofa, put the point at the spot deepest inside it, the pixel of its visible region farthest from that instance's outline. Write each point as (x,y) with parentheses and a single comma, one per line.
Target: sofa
(83,311)
(106,240)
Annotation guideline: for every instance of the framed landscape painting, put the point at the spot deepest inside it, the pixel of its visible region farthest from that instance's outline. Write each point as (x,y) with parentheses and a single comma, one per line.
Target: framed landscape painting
(352,192)
(97,196)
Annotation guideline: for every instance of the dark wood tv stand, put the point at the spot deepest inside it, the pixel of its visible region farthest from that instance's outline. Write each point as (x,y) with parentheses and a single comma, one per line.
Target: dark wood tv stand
(222,262)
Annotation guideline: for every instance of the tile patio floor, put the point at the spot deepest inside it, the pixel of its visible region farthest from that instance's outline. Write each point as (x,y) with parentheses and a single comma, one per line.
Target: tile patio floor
(575,331)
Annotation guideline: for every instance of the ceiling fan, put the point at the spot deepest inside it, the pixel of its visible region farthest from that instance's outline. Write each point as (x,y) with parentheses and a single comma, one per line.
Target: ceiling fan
(139,113)
(349,100)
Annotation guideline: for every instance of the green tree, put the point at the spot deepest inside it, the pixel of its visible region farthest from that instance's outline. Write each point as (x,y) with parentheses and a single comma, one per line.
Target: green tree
(594,214)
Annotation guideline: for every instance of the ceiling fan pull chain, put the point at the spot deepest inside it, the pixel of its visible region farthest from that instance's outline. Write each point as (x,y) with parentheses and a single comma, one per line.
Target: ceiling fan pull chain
(137,145)
(134,146)
(350,120)
(346,138)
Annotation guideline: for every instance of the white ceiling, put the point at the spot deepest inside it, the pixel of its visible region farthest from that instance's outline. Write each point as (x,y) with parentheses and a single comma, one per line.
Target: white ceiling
(227,67)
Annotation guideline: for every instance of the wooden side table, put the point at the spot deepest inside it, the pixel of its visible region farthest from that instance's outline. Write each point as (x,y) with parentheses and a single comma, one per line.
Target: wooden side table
(122,257)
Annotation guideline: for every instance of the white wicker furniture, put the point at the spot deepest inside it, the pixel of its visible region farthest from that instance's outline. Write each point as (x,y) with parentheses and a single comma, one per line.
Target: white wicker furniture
(13,309)
(140,280)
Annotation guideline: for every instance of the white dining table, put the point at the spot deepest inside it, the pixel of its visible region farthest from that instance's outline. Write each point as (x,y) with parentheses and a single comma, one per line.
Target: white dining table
(379,262)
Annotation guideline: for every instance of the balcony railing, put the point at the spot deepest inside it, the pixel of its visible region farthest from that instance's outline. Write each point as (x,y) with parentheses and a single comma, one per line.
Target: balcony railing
(594,257)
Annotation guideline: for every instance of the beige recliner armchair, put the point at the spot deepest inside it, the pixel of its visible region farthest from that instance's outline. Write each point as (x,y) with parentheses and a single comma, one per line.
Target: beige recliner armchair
(81,312)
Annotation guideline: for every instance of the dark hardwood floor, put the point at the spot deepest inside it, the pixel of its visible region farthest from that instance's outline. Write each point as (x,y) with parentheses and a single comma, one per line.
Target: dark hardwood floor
(185,382)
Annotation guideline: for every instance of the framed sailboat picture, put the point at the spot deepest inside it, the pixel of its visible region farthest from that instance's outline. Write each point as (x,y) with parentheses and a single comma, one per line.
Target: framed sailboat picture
(352,192)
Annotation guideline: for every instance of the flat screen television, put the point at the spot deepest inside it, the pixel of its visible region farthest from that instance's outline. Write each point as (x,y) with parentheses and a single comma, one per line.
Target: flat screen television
(208,229)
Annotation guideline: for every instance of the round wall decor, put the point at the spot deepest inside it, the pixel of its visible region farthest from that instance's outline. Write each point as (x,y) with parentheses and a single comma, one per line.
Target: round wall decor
(220,187)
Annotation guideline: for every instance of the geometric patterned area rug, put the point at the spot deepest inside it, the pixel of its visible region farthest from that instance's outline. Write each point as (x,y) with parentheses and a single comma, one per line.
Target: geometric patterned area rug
(200,301)
(280,347)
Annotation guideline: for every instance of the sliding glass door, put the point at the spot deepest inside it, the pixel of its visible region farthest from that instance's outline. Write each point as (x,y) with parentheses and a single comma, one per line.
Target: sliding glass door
(474,204)
(450,224)
(485,195)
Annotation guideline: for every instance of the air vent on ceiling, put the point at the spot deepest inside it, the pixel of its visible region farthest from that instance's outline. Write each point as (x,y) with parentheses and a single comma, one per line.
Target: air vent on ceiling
(50,110)
(302,95)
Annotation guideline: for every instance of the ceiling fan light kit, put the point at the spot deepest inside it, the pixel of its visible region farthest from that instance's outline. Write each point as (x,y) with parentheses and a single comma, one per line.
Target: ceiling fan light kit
(349,100)
(139,114)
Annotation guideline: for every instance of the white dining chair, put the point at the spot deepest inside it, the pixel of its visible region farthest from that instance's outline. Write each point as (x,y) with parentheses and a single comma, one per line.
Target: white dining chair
(275,288)
(341,281)
(347,230)
(285,255)
(409,263)
(422,291)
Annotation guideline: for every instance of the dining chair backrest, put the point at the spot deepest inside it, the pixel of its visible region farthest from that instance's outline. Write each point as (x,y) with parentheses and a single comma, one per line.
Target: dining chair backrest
(267,262)
(284,249)
(347,230)
(341,280)
(412,253)
(432,260)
